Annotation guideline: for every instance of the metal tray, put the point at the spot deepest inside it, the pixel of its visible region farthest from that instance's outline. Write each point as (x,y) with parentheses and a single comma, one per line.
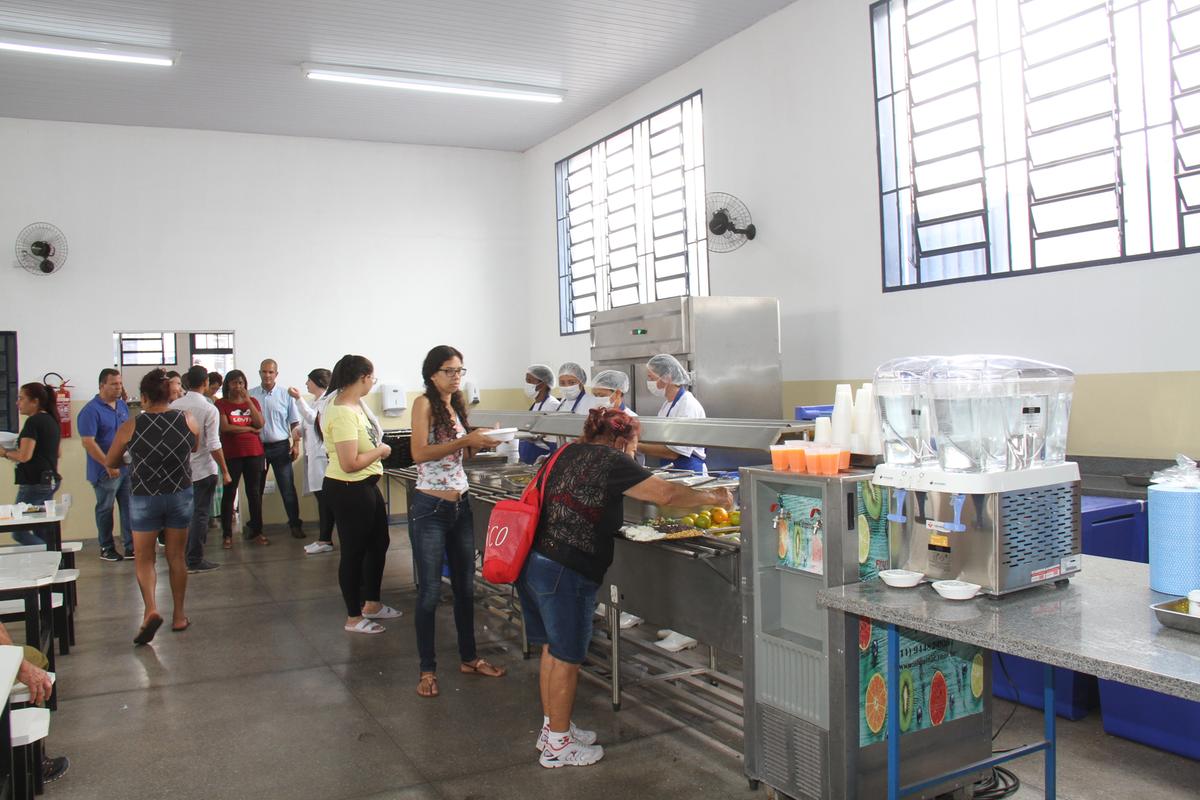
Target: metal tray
(1174,614)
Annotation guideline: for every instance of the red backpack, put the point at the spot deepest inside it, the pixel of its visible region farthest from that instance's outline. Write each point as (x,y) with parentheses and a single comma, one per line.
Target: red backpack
(511,528)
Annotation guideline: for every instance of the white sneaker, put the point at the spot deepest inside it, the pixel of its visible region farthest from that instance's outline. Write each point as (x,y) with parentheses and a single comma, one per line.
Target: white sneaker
(630,620)
(312,548)
(578,734)
(566,752)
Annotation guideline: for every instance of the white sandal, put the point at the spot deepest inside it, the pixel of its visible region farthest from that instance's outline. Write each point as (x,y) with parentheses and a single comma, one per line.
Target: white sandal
(384,612)
(365,626)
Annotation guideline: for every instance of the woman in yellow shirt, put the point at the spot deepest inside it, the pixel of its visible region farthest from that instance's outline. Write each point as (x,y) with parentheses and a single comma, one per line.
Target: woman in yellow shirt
(355,451)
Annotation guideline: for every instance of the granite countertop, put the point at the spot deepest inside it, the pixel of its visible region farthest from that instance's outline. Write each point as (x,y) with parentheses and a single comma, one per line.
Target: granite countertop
(1111,486)
(1100,624)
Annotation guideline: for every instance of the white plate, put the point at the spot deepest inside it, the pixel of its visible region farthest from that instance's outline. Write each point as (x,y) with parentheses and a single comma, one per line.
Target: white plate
(956,590)
(901,578)
(9,440)
(502,434)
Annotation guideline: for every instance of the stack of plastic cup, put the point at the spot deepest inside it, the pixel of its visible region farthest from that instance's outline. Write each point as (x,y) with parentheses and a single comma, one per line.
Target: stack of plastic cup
(824,432)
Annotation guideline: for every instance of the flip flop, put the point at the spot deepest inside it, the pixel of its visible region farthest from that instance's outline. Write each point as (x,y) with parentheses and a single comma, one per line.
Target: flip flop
(187,623)
(227,542)
(428,686)
(481,667)
(146,634)
(384,612)
(365,625)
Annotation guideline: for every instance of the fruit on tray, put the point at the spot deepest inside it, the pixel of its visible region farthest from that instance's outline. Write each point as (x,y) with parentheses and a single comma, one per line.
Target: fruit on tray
(907,699)
(875,705)
(719,516)
(735,518)
(977,675)
(938,698)
(704,522)
(690,520)
(864,538)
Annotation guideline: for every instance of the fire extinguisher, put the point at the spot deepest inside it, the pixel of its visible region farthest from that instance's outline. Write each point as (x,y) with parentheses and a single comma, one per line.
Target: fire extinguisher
(62,402)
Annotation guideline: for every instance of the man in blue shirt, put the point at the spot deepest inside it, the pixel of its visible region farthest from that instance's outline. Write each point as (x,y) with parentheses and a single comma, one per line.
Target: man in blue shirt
(281,438)
(98,423)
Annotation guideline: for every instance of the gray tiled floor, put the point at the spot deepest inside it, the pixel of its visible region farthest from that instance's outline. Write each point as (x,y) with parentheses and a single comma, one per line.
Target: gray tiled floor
(266,697)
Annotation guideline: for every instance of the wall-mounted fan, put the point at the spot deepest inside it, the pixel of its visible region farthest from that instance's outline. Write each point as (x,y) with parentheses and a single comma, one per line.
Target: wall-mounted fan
(729,225)
(41,249)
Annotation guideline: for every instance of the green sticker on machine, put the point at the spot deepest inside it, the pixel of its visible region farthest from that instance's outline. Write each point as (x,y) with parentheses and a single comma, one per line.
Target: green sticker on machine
(940,680)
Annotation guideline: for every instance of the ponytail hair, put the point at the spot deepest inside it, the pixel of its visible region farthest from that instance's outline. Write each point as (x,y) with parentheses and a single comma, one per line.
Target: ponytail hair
(348,370)
(441,424)
(43,395)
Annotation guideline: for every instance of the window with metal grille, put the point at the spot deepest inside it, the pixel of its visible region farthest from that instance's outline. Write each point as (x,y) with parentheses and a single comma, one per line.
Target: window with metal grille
(156,349)
(631,225)
(1018,136)
(9,420)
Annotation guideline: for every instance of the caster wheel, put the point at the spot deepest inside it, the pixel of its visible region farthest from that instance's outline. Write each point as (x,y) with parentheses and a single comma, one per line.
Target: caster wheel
(1062,583)
(753,785)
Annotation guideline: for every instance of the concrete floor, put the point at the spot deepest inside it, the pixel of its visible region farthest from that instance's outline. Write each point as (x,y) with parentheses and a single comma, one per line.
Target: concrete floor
(266,697)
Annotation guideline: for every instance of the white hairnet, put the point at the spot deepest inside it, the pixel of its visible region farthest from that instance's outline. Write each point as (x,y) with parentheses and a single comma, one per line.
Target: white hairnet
(668,368)
(571,368)
(542,372)
(611,379)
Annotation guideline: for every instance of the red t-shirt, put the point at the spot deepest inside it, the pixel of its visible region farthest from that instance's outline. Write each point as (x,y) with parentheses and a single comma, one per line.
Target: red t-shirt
(239,445)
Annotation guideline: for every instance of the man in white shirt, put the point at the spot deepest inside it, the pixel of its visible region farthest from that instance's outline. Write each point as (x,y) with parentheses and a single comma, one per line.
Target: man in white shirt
(280,438)
(205,462)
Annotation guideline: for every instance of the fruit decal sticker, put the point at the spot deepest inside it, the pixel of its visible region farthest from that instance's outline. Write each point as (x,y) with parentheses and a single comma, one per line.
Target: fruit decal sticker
(940,681)
(800,533)
(872,527)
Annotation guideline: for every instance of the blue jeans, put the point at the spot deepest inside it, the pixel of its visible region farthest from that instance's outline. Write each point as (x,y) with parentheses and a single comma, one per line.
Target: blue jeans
(109,492)
(157,512)
(35,494)
(558,605)
(279,458)
(442,531)
(202,495)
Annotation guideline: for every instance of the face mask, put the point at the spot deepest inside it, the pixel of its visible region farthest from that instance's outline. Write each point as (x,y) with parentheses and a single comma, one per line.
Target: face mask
(655,390)
(530,390)
(570,392)
(603,400)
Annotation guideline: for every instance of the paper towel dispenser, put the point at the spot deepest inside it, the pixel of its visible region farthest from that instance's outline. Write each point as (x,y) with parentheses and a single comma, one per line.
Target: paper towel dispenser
(393,399)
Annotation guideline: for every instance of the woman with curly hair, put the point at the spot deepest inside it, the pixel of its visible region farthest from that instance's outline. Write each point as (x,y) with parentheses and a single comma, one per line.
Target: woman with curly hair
(439,519)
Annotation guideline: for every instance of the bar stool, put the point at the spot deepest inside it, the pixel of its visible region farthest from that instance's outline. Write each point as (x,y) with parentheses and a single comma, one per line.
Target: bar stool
(29,727)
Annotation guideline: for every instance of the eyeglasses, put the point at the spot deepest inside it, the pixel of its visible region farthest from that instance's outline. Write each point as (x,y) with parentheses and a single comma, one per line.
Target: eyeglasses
(453,372)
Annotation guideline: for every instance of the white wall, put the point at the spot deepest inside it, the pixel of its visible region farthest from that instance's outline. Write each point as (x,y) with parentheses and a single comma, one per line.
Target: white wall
(307,249)
(789,128)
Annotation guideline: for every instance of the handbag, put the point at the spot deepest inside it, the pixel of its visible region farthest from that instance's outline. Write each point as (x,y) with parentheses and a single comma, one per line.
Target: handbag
(511,528)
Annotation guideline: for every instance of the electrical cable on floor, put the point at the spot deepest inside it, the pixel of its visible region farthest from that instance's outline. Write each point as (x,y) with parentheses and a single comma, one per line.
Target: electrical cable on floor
(1002,783)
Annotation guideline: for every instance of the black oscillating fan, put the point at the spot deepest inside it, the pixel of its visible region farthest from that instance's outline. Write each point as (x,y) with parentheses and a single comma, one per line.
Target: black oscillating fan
(41,249)
(729,225)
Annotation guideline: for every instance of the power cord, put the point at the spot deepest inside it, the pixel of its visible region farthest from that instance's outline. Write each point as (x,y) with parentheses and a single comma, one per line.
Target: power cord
(1002,782)
(1015,688)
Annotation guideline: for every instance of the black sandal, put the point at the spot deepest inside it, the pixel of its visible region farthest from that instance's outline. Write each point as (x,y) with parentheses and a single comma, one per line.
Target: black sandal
(146,634)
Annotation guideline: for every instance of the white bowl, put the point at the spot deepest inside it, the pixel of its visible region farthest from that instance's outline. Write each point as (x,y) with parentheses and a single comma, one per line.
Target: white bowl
(901,578)
(956,590)
(9,440)
(502,434)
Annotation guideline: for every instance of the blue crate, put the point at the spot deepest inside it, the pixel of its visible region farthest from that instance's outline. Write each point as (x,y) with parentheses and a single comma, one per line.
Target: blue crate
(812,412)
(1114,527)
(1075,694)
(1159,720)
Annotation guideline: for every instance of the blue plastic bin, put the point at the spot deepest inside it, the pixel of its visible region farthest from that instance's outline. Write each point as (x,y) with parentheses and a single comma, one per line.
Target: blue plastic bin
(1115,527)
(1075,694)
(812,412)
(1159,720)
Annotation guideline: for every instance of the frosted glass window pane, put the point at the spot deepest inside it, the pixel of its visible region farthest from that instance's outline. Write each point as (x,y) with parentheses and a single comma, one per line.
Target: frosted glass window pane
(950,234)
(1075,140)
(1075,212)
(883,61)
(942,142)
(948,47)
(938,20)
(1040,13)
(953,201)
(1135,195)
(996,188)
(1018,215)
(887,146)
(959,105)
(1069,71)
(1078,248)
(945,79)
(1059,39)
(1078,103)
(1127,28)
(1163,205)
(949,171)
(1073,176)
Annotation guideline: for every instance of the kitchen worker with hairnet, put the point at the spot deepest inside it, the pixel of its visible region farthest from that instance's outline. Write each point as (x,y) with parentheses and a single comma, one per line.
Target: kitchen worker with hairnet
(667,378)
(539,380)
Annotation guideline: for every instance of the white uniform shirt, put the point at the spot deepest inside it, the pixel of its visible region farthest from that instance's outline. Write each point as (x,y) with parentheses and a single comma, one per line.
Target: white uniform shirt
(315,456)
(688,407)
(549,405)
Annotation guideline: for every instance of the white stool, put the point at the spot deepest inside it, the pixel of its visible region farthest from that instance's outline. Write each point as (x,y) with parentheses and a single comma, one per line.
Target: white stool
(28,726)
(64,613)
(20,692)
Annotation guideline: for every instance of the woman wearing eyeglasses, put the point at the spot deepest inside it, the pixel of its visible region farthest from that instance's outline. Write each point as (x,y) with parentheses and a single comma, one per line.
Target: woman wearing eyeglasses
(439,518)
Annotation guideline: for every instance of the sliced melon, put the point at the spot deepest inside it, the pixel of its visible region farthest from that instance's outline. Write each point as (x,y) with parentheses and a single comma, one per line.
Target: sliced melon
(872,499)
(864,538)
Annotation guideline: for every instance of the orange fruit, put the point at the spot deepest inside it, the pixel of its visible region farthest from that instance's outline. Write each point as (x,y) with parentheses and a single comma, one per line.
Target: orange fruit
(719,516)
(937,698)
(876,703)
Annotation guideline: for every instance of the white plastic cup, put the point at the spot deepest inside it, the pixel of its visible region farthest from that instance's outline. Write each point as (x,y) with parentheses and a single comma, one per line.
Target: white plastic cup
(1194,602)
(6,512)
(17,512)
(52,507)
(824,432)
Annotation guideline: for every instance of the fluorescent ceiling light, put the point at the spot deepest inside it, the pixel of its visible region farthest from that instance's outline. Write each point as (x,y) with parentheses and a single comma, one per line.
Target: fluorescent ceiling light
(422,82)
(81,48)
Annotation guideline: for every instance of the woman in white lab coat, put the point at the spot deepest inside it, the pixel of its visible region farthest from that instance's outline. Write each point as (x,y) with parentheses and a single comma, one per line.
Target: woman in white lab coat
(539,380)
(669,380)
(315,457)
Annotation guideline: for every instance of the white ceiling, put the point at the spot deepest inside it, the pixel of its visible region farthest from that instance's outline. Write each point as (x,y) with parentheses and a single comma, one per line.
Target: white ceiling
(240,68)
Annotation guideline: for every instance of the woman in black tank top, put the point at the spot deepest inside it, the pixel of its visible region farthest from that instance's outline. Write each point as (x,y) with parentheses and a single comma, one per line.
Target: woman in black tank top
(160,442)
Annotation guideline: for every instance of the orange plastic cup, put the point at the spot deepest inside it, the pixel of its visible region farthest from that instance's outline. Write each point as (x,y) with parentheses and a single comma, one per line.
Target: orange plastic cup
(844,459)
(779,458)
(813,459)
(829,461)
(797,462)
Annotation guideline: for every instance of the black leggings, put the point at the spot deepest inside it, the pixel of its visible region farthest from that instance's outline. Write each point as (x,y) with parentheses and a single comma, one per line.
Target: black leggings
(362,524)
(251,468)
(326,532)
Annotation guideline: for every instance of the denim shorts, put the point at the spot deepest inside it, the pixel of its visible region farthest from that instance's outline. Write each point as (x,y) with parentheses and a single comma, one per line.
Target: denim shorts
(557,603)
(158,511)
